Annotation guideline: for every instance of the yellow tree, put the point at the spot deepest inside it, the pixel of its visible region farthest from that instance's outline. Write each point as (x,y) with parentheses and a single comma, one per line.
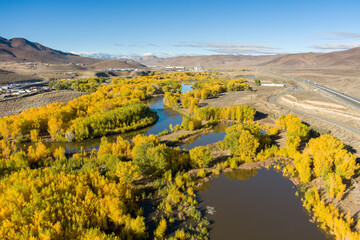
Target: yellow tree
(54,127)
(248,145)
(303,166)
(200,157)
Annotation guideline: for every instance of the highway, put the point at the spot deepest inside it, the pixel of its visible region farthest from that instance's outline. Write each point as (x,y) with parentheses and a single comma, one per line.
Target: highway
(297,87)
(340,95)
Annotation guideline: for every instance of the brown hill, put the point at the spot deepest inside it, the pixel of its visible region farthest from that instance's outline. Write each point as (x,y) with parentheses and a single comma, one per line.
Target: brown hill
(116,64)
(338,59)
(22,50)
(347,58)
(9,77)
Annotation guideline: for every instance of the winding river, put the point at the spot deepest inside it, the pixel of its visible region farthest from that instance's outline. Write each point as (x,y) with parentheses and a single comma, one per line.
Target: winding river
(243,204)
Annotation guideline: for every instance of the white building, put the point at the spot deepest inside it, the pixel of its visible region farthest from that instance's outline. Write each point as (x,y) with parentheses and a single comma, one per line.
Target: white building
(273,84)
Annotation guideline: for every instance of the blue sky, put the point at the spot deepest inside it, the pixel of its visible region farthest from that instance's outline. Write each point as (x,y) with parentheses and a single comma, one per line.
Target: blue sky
(197,27)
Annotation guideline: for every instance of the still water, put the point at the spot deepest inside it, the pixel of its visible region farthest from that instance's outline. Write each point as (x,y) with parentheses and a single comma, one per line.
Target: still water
(255,204)
(207,138)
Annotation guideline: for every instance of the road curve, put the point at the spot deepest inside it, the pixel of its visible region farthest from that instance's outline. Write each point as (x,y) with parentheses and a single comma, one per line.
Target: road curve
(340,95)
(273,98)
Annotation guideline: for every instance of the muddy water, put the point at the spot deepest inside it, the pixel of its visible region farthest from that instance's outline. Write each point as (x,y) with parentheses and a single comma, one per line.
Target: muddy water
(205,139)
(250,204)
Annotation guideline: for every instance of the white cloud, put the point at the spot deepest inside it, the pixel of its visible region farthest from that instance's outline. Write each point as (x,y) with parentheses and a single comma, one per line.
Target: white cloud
(233,48)
(100,55)
(336,36)
(336,46)
(189,45)
(162,55)
(343,35)
(147,54)
(130,55)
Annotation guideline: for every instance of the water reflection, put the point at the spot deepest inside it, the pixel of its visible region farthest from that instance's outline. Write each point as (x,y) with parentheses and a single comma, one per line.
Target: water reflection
(208,138)
(261,206)
(186,87)
(240,174)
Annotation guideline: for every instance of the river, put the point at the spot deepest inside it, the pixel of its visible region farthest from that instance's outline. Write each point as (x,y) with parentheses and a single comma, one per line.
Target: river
(256,204)
(247,204)
(166,115)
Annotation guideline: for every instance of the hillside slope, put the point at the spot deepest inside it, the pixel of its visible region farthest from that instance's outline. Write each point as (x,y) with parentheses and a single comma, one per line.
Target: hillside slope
(21,50)
(338,59)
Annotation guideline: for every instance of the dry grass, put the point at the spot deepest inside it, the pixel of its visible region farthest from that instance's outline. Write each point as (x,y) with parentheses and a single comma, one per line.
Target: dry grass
(16,105)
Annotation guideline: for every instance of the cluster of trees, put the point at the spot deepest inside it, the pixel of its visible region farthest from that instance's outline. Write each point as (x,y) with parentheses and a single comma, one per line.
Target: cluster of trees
(47,195)
(177,76)
(238,85)
(97,195)
(326,157)
(190,103)
(119,120)
(112,108)
(83,84)
(171,99)
(52,204)
(296,132)
(212,88)
(329,217)
(245,140)
(200,157)
(238,113)
(203,90)
(191,124)
(153,158)
(207,89)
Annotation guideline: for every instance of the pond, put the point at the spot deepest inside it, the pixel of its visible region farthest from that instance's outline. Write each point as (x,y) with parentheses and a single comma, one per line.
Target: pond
(255,204)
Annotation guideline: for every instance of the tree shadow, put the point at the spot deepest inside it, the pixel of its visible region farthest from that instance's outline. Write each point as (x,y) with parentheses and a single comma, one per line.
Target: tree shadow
(350,149)
(350,187)
(112,74)
(260,115)
(274,139)
(101,74)
(218,159)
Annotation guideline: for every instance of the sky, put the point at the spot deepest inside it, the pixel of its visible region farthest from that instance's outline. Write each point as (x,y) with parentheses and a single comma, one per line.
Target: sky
(174,27)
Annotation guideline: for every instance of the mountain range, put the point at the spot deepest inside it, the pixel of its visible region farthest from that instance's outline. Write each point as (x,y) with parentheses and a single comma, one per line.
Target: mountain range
(339,59)
(22,50)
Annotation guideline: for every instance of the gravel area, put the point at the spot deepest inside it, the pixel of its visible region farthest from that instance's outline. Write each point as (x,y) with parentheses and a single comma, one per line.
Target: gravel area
(16,105)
